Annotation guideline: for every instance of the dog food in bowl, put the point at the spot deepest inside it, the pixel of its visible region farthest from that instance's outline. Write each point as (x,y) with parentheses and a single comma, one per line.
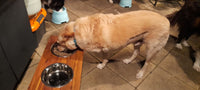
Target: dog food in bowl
(57,75)
(64,54)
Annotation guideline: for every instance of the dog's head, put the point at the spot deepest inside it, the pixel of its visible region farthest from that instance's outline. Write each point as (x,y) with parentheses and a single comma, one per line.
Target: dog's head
(56,4)
(66,38)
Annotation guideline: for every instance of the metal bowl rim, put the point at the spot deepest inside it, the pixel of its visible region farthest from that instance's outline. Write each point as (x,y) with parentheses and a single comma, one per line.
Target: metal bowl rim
(42,75)
(51,48)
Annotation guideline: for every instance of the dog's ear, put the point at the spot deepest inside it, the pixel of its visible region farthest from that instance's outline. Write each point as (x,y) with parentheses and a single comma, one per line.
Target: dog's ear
(64,36)
(67,32)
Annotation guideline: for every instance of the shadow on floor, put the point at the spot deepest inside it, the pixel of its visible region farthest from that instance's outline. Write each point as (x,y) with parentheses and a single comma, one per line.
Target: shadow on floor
(185,60)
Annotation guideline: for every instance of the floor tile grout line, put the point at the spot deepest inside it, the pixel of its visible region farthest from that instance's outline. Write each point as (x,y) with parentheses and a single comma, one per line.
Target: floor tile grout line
(165,56)
(33,65)
(68,9)
(100,10)
(30,66)
(99,59)
(113,6)
(89,4)
(120,76)
(88,72)
(37,53)
(96,58)
(146,76)
(86,4)
(73,12)
(144,79)
(115,53)
(156,64)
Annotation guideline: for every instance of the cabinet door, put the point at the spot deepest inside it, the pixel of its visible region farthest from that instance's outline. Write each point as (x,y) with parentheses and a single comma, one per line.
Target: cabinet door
(7,77)
(16,37)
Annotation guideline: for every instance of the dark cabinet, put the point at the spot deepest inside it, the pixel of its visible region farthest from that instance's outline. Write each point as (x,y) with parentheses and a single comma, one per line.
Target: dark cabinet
(17,43)
(6,73)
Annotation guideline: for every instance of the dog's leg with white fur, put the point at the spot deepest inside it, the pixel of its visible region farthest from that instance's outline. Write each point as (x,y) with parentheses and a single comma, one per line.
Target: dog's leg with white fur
(111,1)
(185,43)
(104,62)
(196,65)
(153,46)
(135,53)
(151,51)
(183,36)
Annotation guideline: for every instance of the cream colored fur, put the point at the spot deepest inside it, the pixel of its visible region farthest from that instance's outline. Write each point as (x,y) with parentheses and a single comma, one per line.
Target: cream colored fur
(103,32)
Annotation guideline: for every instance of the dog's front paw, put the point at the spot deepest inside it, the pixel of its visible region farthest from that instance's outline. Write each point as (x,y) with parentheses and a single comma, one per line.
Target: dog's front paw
(139,74)
(127,61)
(100,66)
(196,66)
(111,1)
(185,43)
(179,46)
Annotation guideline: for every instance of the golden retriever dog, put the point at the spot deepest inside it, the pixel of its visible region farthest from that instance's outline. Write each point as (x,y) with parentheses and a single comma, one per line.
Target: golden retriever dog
(103,32)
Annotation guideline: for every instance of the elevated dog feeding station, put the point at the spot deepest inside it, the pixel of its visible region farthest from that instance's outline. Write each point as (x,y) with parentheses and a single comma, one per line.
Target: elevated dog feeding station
(57,73)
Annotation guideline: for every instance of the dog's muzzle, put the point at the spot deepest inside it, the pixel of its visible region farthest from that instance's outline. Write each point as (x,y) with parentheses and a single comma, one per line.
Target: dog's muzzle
(61,53)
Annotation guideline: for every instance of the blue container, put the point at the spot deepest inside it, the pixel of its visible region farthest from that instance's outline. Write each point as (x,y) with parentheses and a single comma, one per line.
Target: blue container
(126,3)
(59,17)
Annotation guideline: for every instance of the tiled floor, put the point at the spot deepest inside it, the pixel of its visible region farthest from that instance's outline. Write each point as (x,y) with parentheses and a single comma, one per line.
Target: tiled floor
(171,68)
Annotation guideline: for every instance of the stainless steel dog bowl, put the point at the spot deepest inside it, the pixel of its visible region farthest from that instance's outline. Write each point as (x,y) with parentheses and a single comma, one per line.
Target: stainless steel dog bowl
(57,75)
(58,53)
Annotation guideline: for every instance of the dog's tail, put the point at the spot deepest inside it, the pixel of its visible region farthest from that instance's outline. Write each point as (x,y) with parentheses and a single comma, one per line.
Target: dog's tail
(172,18)
(177,16)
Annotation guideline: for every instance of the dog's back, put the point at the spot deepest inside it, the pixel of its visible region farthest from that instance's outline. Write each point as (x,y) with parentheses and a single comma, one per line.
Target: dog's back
(114,31)
(131,24)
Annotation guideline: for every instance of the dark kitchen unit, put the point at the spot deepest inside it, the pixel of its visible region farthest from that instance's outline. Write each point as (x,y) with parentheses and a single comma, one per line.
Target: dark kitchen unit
(17,42)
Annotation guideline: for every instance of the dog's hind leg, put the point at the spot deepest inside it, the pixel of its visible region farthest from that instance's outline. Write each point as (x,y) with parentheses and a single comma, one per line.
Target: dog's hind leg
(153,46)
(184,34)
(187,36)
(179,39)
(137,46)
